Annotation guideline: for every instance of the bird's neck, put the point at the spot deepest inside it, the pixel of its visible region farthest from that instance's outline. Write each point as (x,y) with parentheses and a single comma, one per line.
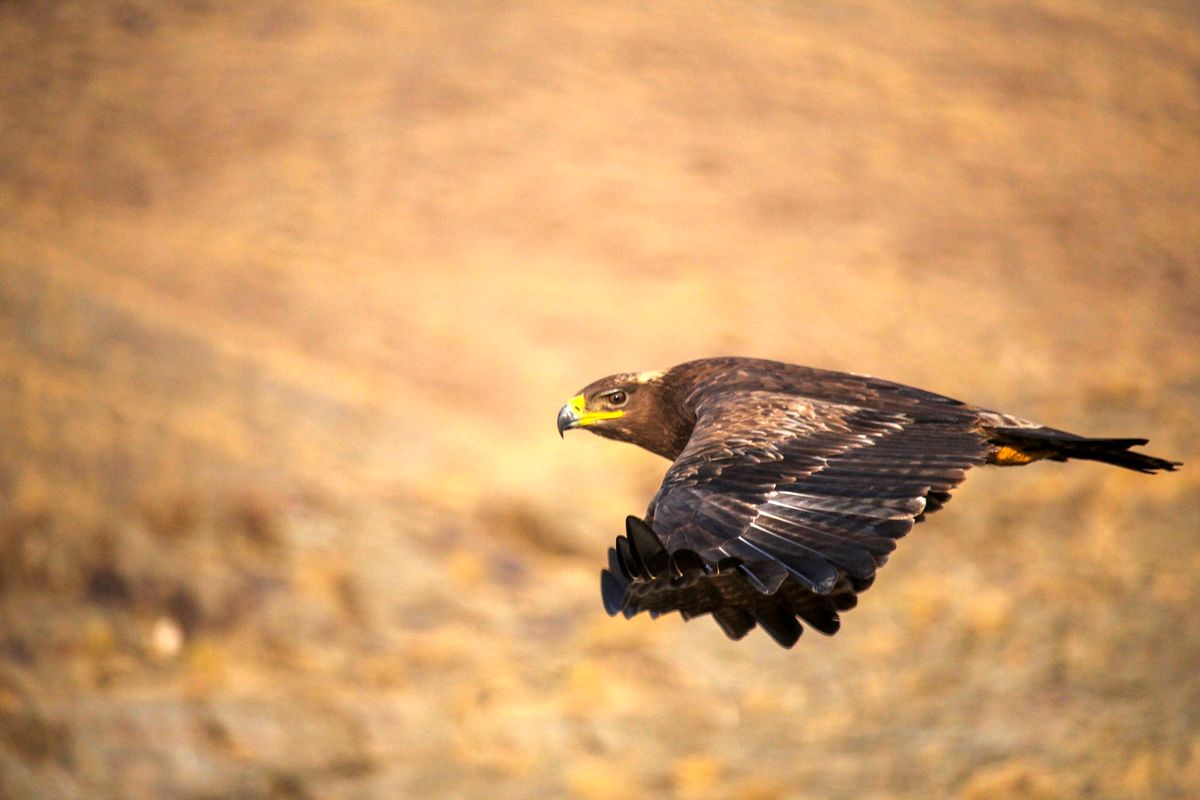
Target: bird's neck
(678,421)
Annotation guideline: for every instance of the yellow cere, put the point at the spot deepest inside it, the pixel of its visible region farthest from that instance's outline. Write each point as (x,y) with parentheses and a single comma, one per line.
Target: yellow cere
(579,406)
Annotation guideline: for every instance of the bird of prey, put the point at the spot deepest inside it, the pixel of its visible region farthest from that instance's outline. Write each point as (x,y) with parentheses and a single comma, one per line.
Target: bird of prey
(789,485)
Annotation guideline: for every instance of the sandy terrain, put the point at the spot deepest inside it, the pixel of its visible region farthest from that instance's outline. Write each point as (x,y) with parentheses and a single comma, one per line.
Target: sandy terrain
(290,294)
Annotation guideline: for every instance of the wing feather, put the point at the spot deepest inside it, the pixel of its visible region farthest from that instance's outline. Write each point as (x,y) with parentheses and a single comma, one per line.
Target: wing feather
(782,507)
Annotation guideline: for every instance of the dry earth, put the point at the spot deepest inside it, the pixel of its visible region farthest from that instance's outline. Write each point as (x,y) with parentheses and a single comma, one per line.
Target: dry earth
(290,293)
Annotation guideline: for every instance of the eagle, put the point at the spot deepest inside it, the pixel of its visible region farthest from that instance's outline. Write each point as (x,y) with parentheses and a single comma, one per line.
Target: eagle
(790,485)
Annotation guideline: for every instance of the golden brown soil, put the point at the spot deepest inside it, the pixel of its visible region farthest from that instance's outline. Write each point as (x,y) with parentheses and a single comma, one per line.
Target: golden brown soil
(290,294)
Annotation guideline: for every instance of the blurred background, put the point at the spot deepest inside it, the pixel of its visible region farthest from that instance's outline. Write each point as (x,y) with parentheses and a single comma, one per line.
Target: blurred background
(290,293)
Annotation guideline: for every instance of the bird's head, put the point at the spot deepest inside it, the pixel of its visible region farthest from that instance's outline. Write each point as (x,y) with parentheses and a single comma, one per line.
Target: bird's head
(635,407)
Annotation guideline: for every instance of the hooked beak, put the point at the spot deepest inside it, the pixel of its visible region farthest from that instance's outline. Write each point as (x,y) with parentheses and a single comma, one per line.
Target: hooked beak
(575,415)
(568,418)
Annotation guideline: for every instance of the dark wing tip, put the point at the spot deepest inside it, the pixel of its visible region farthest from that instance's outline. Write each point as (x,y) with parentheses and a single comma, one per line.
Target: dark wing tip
(614,564)
(820,612)
(630,564)
(735,622)
(613,592)
(780,623)
(646,546)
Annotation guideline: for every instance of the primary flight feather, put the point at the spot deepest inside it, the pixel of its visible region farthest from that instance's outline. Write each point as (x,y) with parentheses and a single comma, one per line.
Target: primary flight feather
(790,485)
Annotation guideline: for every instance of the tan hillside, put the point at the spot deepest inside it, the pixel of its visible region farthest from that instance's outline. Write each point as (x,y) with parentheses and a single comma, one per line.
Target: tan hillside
(290,293)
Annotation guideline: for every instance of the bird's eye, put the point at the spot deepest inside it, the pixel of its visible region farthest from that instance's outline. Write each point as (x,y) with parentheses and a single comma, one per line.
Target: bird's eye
(616,398)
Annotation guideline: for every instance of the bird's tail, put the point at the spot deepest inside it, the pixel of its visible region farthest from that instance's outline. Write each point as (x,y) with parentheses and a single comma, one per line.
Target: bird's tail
(1022,445)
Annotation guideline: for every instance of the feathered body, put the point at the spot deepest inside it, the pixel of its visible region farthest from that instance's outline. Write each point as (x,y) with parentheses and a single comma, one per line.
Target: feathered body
(790,485)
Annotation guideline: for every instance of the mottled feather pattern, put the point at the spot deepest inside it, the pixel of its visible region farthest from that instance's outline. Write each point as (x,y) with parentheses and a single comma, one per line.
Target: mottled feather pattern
(794,485)
(771,542)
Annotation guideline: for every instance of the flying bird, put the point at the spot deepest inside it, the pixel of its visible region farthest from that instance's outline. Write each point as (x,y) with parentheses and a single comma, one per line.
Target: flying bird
(789,485)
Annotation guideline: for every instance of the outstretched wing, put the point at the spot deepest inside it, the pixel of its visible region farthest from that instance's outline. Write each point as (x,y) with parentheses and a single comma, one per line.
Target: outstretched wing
(782,507)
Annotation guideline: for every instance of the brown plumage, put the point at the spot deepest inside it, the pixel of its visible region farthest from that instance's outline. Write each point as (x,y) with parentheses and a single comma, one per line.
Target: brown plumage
(790,485)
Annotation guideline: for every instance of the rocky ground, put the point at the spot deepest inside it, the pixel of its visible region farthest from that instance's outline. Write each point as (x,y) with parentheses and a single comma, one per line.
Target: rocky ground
(290,295)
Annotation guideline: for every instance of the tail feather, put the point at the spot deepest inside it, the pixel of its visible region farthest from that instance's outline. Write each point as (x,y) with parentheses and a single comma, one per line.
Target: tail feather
(1038,443)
